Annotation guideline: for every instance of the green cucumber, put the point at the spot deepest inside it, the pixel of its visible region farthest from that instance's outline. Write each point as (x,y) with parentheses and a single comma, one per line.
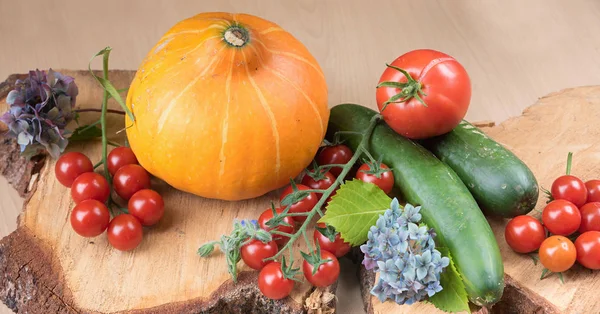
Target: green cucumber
(500,182)
(447,206)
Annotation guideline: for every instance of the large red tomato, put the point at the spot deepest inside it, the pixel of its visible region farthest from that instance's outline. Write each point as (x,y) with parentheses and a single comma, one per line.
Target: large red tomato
(432,102)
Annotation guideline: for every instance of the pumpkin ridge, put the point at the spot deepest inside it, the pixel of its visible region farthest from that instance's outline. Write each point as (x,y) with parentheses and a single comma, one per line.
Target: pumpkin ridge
(225,127)
(198,32)
(165,113)
(204,17)
(296,87)
(271,29)
(270,114)
(291,55)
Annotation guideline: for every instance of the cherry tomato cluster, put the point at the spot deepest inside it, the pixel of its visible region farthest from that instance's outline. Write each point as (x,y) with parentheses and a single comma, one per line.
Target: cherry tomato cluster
(573,211)
(273,281)
(91,193)
(321,268)
(371,171)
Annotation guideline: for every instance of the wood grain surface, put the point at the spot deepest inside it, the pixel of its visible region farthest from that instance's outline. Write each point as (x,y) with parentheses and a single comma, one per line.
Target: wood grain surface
(515,51)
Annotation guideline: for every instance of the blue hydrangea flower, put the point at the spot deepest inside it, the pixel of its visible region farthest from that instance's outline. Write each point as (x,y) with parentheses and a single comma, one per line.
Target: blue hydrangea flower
(403,251)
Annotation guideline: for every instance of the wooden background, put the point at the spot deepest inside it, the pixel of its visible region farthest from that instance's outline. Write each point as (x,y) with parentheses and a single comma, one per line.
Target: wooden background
(515,51)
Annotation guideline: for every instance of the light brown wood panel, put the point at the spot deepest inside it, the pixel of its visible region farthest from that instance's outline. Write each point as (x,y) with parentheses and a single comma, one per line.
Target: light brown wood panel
(515,51)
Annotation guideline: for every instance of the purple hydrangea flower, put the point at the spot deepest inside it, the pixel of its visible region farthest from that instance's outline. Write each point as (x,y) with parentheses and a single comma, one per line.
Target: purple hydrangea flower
(403,252)
(40,107)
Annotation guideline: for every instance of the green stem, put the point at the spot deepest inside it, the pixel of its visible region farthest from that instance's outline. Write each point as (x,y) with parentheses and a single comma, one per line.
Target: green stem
(297,214)
(99,110)
(105,96)
(336,137)
(362,147)
(370,156)
(569,161)
(98,164)
(281,233)
(313,191)
(329,166)
(113,144)
(90,126)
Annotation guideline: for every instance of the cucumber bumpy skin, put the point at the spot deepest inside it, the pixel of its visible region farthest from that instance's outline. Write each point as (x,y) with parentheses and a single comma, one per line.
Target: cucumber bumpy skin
(447,206)
(500,182)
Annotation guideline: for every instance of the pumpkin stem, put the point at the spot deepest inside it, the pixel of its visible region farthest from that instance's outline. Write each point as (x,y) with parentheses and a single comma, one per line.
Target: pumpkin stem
(236,36)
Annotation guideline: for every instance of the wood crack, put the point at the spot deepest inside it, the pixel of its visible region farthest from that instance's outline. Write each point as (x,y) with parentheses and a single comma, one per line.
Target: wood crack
(53,294)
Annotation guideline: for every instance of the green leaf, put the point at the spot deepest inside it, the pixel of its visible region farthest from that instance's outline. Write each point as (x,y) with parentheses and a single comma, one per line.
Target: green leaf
(85,132)
(206,249)
(106,84)
(453,297)
(354,209)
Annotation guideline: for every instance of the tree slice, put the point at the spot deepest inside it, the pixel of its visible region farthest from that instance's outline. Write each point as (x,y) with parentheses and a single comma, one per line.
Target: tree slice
(542,136)
(47,268)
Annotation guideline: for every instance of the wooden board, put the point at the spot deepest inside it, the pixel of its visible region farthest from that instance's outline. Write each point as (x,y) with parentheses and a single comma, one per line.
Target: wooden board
(542,136)
(47,268)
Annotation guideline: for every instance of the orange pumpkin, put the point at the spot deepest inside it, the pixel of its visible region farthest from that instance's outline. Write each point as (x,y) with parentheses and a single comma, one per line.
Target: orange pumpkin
(227,106)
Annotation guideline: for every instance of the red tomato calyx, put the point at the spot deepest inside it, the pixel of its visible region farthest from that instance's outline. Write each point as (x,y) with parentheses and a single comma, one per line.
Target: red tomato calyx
(279,218)
(376,168)
(289,272)
(411,89)
(318,173)
(328,231)
(314,259)
(294,197)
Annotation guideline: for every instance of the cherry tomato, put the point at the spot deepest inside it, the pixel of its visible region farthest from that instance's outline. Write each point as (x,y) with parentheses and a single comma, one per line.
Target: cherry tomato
(593,189)
(120,157)
(256,251)
(524,234)
(147,206)
(337,154)
(325,180)
(588,249)
(272,283)
(90,185)
(590,217)
(326,274)
(267,215)
(338,247)
(439,80)
(304,205)
(561,217)
(385,181)
(130,179)
(569,188)
(125,232)
(70,165)
(557,253)
(90,218)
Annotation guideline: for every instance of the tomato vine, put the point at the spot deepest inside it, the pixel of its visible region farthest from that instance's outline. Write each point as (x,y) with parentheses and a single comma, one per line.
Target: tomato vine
(245,232)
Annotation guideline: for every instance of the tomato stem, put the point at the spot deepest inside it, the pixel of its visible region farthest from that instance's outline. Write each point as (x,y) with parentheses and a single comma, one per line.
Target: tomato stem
(281,233)
(336,137)
(100,110)
(113,144)
(297,214)
(105,96)
(411,89)
(362,147)
(569,161)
